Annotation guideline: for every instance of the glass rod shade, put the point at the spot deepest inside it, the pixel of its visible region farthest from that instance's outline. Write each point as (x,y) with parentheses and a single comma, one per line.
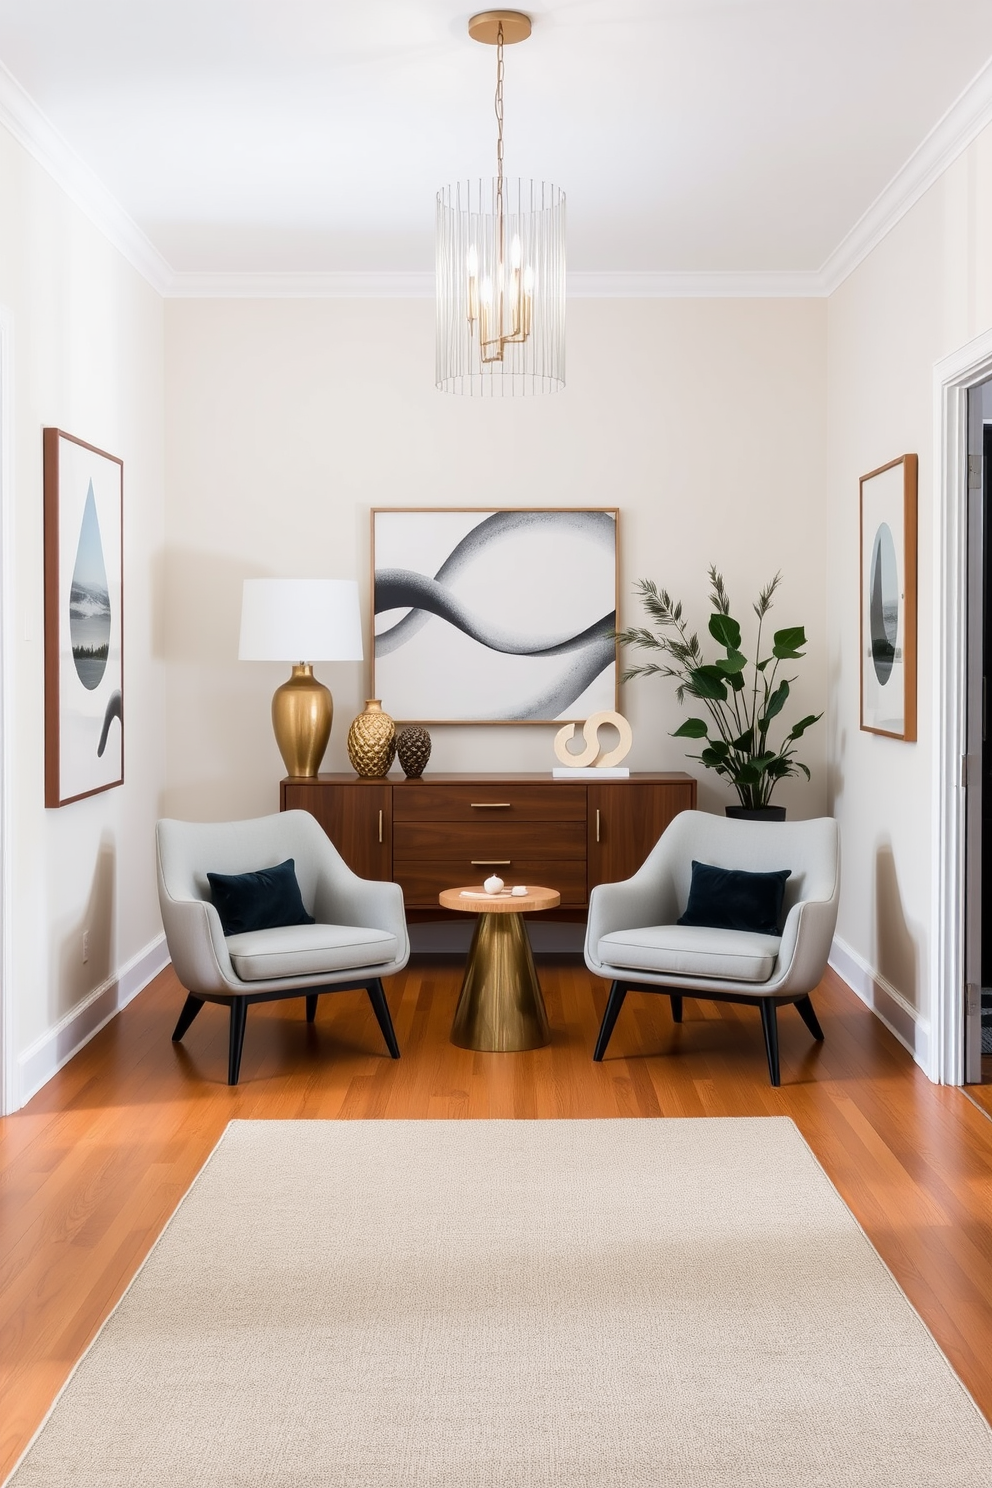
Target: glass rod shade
(500,286)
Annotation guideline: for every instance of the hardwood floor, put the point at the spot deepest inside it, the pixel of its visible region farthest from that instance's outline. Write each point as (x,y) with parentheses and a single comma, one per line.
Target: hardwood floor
(93,1167)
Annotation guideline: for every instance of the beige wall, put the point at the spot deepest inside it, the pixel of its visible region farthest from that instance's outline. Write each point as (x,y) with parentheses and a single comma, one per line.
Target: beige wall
(924,292)
(86,354)
(703,421)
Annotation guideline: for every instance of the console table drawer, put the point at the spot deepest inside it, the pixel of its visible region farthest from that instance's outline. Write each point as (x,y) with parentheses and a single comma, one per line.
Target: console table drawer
(423,880)
(425,802)
(475,839)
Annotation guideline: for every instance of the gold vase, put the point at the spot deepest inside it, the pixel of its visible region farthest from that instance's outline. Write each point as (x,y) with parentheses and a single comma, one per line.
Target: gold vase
(302,709)
(372,741)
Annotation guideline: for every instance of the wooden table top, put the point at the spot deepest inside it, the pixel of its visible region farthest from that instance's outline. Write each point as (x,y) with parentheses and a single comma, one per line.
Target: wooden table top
(476,900)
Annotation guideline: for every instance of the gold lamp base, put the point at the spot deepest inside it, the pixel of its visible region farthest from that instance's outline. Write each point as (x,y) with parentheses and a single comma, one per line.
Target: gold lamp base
(302,710)
(500,1008)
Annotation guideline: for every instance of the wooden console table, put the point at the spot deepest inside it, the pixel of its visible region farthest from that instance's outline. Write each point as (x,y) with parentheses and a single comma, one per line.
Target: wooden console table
(446,829)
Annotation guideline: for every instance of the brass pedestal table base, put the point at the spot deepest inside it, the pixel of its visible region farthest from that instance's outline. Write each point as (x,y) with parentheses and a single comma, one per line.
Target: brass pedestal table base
(500,1008)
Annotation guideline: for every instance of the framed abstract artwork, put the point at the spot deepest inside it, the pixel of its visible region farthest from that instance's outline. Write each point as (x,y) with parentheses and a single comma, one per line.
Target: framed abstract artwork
(494,615)
(888,599)
(84,632)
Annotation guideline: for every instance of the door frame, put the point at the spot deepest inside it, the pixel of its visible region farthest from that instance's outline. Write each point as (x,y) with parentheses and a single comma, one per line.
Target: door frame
(954,375)
(9,1084)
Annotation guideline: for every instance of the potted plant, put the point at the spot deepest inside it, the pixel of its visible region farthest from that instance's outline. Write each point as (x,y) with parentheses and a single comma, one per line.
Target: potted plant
(742,705)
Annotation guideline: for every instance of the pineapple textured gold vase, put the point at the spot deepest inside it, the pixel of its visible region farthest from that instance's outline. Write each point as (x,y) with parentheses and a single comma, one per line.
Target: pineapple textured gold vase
(372,741)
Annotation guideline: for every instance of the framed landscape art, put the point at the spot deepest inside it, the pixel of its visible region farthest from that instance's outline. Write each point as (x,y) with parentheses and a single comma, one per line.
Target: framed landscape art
(888,599)
(494,615)
(84,633)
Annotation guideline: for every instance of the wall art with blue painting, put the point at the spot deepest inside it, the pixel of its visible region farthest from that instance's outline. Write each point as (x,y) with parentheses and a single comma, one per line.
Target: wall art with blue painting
(495,615)
(888,599)
(84,630)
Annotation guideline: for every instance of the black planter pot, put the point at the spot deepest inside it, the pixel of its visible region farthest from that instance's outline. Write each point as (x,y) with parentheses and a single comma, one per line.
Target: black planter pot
(756,813)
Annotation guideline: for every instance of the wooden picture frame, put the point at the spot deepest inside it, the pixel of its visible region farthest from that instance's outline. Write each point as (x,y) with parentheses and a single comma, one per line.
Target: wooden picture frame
(495,614)
(84,622)
(888,528)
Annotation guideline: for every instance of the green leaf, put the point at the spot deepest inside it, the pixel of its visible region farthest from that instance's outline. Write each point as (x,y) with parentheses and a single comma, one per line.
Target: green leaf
(719,748)
(706,682)
(735,661)
(712,759)
(774,705)
(748,774)
(737,682)
(798,729)
(724,628)
(693,728)
(745,743)
(759,666)
(788,641)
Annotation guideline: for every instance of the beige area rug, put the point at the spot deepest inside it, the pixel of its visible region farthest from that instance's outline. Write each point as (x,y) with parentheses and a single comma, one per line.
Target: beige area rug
(512,1304)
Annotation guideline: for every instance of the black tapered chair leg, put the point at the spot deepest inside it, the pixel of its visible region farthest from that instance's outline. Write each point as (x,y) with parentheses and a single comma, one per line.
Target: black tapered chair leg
(311,1006)
(769,1024)
(613,1005)
(191,1007)
(380,1007)
(676,999)
(239,1017)
(805,1010)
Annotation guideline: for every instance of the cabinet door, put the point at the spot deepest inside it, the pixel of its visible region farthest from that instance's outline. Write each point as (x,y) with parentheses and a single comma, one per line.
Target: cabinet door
(626,818)
(357,818)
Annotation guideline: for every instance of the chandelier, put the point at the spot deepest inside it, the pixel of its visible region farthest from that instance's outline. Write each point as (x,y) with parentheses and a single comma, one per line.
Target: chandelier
(500,266)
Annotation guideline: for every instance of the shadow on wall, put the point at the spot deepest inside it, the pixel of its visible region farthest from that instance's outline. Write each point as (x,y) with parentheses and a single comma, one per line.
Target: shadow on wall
(898,948)
(837,738)
(82,967)
(217,704)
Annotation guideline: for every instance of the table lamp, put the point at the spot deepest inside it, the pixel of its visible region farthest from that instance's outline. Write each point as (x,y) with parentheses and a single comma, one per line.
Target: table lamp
(286,620)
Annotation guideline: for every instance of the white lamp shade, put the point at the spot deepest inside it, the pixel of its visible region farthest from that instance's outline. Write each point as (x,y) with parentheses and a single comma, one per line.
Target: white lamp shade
(300,620)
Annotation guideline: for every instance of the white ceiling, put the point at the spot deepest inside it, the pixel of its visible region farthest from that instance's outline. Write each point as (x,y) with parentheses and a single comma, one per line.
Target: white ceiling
(306,136)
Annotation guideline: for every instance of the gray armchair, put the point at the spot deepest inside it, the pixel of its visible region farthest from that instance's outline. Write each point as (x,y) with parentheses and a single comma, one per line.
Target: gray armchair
(632,938)
(359,937)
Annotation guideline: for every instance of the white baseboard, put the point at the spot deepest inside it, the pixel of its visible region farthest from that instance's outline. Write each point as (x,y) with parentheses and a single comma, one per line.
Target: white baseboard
(47,1055)
(889,1006)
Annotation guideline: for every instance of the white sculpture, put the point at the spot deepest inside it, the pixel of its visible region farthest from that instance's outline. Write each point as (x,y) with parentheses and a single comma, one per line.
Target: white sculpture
(590,755)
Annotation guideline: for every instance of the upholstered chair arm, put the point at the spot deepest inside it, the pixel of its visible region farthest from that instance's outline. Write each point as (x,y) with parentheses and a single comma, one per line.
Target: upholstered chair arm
(806,939)
(197,945)
(647,898)
(352,900)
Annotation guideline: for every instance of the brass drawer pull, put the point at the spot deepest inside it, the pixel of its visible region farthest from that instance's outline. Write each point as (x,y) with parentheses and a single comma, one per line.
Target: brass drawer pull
(490,805)
(490,862)
(380,826)
(597,826)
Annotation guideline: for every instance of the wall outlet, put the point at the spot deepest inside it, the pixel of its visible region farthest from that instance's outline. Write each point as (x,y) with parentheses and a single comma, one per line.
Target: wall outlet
(86,945)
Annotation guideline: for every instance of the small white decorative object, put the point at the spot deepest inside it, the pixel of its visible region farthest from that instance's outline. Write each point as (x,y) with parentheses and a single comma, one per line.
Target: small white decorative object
(590,757)
(520,890)
(493,885)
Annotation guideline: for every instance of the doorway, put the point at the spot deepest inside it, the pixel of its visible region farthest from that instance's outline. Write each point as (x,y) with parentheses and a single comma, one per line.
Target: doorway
(977,771)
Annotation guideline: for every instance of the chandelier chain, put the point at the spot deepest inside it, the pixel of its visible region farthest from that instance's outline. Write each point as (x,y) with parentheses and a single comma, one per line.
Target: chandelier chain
(499,129)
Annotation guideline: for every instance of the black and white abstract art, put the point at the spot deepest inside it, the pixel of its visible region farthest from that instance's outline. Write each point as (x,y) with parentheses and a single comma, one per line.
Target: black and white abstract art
(84,675)
(888,599)
(495,616)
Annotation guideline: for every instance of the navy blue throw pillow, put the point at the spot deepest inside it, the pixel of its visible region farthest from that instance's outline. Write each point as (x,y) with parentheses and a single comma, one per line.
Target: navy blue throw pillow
(732,899)
(265,900)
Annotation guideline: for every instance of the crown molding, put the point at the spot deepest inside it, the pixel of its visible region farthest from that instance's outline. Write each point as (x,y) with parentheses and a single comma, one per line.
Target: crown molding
(32,129)
(288,285)
(676,284)
(964,121)
(419,285)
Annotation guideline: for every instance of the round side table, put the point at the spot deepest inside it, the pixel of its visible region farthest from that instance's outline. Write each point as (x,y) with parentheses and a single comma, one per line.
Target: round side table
(500,1008)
